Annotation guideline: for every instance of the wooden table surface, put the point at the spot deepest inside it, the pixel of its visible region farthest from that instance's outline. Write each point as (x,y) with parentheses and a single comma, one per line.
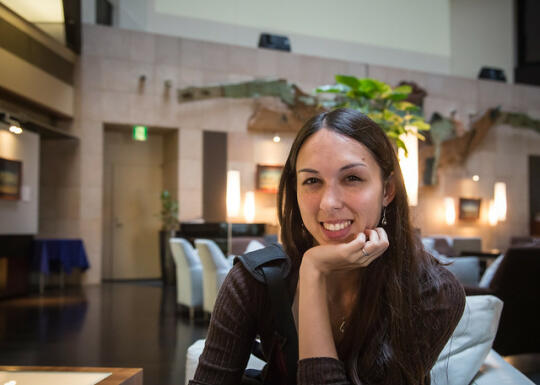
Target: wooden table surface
(119,376)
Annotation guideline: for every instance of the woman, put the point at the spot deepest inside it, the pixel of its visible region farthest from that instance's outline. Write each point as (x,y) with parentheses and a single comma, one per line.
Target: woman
(371,306)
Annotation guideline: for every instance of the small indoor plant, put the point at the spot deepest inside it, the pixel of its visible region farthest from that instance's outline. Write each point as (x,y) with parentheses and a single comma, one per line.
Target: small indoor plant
(169,226)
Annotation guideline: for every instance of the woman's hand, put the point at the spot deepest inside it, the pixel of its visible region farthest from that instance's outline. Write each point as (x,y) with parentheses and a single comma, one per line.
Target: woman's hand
(358,253)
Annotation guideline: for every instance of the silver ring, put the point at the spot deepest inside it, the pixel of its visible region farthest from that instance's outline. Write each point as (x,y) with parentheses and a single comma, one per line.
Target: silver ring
(365,253)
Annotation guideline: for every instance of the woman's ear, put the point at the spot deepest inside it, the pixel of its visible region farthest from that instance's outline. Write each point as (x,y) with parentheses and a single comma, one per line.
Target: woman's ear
(389,190)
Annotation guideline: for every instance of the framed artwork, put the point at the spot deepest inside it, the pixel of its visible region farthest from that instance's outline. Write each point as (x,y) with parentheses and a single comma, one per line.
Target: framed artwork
(268,178)
(469,209)
(10,179)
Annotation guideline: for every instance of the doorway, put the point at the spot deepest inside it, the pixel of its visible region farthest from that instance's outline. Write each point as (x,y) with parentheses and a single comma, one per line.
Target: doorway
(133,181)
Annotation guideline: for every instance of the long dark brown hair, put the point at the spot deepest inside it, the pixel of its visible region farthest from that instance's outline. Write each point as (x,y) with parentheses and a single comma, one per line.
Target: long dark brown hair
(377,348)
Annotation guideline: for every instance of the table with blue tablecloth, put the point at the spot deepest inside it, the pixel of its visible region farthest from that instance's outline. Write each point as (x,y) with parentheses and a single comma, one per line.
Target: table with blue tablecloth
(67,253)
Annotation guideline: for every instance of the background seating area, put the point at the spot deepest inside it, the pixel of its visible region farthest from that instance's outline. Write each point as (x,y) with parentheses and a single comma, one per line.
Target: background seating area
(512,277)
(201,270)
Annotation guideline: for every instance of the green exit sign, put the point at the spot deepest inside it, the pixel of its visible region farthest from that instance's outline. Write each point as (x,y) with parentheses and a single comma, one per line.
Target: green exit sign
(140,133)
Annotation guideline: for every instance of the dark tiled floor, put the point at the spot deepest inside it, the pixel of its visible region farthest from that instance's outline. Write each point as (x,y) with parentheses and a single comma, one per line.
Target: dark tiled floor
(114,324)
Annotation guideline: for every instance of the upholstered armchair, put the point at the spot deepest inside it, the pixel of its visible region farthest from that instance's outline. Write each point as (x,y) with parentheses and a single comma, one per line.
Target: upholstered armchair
(516,281)
(189,271)
(215,269)
(466,269)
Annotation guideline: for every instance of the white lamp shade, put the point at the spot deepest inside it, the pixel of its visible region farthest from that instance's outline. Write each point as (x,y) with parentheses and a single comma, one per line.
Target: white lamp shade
(493,217)
(249,206)
(500,200)
(409,165)
(233,193)
(450,211)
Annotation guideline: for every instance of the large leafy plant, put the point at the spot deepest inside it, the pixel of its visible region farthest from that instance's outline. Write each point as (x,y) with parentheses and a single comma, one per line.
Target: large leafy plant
(382,103)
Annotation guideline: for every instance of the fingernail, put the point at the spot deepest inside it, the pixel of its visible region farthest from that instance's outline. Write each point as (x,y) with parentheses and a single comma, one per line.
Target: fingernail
(362,236)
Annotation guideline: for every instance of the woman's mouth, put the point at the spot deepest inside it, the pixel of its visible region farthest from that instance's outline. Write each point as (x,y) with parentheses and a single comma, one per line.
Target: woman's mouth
(336,229)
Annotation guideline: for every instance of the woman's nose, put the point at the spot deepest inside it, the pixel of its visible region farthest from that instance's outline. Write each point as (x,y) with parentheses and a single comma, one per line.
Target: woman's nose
(331,199)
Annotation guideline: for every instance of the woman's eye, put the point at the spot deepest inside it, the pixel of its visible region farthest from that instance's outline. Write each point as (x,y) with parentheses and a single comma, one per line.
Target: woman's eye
(310,181)
(353,178)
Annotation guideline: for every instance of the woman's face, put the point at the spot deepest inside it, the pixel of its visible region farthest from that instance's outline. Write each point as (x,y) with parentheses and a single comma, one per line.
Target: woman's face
(339,187)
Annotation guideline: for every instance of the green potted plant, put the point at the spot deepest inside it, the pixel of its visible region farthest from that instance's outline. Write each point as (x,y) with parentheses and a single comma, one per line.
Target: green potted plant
(169,226)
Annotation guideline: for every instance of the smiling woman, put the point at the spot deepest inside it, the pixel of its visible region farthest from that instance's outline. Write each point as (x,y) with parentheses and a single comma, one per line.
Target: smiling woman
(370,305)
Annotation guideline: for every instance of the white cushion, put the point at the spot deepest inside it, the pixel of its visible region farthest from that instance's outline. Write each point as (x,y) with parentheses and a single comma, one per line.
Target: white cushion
(195,350)
(496,370)
(254,245)
(470,343)
(490,272)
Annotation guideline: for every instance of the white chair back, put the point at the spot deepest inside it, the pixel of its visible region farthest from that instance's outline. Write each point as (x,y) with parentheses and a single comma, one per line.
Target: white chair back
(189,271)
(215,269)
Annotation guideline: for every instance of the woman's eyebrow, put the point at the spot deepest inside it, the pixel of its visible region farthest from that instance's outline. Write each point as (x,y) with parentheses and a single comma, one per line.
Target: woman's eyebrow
(309,170)
(352,165)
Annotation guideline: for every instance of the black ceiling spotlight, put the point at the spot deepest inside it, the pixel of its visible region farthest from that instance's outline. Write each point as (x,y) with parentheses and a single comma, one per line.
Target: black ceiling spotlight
(281,43)
(13,124)
(492,74)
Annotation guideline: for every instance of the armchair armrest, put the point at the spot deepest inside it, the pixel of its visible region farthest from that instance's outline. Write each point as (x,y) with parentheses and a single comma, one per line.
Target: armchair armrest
(475,290)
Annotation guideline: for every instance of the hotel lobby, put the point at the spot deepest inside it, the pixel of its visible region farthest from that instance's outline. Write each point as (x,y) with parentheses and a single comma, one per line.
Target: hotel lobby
(125,124)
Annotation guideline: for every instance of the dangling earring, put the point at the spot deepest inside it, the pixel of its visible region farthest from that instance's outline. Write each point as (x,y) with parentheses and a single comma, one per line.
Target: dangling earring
(384,222)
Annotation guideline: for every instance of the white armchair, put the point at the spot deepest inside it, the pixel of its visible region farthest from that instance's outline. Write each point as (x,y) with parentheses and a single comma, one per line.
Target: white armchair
(189,271)
(215,268)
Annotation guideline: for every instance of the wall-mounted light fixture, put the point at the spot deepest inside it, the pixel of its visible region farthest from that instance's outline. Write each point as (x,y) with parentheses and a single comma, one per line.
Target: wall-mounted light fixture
(492,213)
(249,206)
(475,178)
(500,200)
(409,165)
(276,138)
(449,211)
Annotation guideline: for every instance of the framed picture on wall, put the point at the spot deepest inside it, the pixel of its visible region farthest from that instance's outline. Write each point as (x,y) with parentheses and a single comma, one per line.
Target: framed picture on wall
(469,209)
(10,179)
(268,178)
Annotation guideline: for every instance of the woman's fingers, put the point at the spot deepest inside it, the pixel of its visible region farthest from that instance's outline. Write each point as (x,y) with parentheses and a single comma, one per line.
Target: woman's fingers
(359,252)
(374,247)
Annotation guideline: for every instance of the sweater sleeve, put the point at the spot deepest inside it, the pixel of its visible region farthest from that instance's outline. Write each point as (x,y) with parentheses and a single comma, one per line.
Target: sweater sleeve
(232,330)
(321,371)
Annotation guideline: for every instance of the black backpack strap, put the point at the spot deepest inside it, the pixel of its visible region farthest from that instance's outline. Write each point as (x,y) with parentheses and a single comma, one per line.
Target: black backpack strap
(283,317)
(271,266)
(270,255)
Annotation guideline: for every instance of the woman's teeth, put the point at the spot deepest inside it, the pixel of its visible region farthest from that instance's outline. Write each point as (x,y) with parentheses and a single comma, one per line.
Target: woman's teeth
(336,226)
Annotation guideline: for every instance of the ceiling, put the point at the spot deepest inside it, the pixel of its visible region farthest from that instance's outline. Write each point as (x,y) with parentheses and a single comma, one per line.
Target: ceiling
(47,15)
(41,11)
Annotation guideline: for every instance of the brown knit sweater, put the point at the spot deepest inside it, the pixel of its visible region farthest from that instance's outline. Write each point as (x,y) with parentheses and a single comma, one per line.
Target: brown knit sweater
(242,311)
